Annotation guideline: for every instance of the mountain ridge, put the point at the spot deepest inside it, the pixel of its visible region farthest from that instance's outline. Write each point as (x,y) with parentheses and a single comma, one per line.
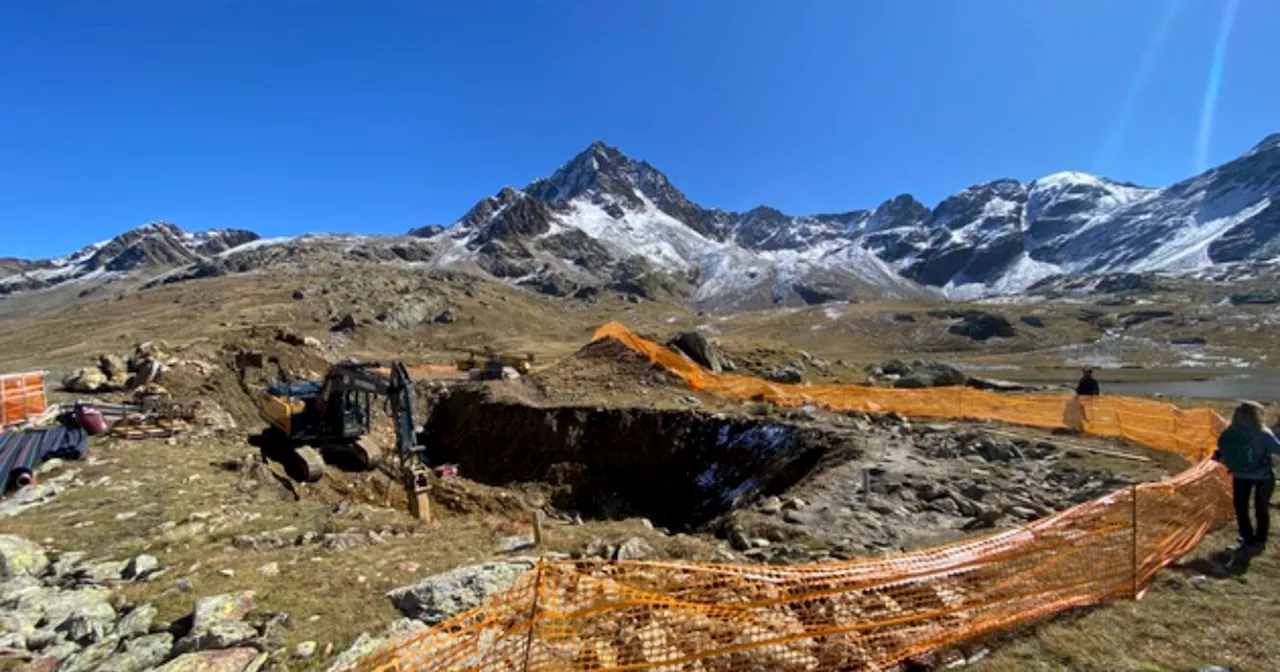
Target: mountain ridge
(606,220)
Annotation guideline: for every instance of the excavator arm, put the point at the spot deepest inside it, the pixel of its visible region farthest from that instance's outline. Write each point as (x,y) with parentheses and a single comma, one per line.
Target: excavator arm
(390,379)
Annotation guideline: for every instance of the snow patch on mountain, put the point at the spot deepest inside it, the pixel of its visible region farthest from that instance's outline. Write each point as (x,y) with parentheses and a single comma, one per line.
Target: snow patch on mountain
(647,232)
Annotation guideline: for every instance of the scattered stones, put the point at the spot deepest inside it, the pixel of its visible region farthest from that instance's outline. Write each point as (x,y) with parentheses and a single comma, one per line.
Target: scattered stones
(343,541)
(269,570)
(285,536)
(229,573)
(305,650)
(771,505)
(346,324)
(444,595)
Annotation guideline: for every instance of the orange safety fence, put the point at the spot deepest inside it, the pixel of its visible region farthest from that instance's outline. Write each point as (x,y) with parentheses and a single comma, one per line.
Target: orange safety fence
(21,397)
(867,614)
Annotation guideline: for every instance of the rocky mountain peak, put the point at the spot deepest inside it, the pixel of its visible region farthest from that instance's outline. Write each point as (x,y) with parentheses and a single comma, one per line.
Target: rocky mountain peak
(899,211)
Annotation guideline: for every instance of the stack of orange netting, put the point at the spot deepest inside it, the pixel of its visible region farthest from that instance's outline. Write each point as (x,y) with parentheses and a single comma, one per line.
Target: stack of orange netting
(858,615)
(21,397)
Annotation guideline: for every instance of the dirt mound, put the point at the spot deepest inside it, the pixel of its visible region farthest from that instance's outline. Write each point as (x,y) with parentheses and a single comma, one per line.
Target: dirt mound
(603,365)
(222,383)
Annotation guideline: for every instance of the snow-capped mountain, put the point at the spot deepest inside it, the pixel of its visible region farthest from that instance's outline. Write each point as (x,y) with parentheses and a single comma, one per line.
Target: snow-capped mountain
(1000,237)
(151,247)
(1004,236)
(606,220)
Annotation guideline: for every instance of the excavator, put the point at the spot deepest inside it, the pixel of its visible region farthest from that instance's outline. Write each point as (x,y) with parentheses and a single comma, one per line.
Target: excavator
(492,364)
(310,421)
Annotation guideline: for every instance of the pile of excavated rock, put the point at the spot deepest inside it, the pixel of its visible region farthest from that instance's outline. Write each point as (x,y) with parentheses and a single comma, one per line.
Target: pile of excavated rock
(143,367)
(929,483)
(59,612)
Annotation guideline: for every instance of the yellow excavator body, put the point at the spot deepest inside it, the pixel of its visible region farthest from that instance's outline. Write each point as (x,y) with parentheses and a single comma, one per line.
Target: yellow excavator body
(279,411)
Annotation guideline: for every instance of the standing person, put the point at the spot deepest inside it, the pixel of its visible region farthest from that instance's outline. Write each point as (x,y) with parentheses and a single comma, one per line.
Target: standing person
(1245,447)
(1088,385)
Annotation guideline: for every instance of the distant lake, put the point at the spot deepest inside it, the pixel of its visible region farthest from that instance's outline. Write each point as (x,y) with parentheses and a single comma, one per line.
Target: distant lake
(1259,385)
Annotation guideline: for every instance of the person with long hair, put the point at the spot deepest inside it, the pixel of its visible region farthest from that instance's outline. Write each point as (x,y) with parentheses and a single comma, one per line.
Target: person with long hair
(1245,448)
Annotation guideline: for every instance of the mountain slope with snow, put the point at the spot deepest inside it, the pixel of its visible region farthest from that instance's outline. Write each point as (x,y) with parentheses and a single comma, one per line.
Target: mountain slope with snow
(604,220)
(151,247)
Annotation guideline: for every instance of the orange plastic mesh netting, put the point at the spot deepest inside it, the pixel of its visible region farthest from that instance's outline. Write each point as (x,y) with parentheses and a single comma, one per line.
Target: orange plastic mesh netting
(859,615)
(21,397)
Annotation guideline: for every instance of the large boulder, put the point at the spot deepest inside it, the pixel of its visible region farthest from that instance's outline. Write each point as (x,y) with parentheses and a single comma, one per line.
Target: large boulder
(137,655)
(789,375)
(113,366)
(20,556)
(979,326)
(700,350)
(242,659)
(364,645)
(87,380)
(409,313)
(930,374)
(445,595)
(216,622)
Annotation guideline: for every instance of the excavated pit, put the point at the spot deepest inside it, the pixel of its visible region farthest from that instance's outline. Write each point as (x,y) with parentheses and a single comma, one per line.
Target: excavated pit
(781,485)
(680,469)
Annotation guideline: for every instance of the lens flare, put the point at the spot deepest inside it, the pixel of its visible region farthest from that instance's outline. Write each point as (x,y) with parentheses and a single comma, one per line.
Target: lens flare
(1214,85)
(1115,139)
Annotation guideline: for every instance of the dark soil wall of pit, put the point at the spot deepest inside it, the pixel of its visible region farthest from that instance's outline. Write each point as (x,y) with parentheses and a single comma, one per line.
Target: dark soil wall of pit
(678,468)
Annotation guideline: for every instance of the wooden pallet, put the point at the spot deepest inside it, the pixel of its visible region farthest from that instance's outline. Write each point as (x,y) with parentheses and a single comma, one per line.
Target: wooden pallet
(147,430)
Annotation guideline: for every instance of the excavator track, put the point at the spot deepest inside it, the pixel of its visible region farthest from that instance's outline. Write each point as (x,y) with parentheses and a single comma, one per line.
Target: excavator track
(304,464)
(367,453)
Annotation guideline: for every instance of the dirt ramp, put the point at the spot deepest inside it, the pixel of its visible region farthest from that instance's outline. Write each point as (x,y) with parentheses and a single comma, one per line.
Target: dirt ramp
(678,468)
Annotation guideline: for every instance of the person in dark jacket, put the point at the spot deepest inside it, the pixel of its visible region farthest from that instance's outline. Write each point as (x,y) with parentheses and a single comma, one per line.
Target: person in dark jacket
(1245,447)
(1088,385)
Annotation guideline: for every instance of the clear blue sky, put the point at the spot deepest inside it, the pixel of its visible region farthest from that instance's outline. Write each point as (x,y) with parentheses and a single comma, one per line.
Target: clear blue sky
(378,115)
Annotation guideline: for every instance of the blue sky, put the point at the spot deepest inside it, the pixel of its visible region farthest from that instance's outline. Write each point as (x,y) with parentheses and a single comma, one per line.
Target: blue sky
(379,115)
